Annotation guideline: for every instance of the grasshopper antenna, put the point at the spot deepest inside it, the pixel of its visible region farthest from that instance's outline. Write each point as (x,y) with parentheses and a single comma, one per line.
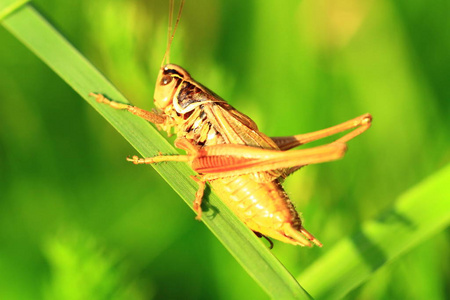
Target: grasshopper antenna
(171,33)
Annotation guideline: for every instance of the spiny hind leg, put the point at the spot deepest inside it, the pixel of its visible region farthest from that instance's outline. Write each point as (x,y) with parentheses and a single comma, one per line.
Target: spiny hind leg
(226,160)
(359,124)
(147,115)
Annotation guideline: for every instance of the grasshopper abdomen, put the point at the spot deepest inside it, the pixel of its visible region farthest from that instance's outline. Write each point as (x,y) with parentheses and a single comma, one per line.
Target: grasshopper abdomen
(264,207)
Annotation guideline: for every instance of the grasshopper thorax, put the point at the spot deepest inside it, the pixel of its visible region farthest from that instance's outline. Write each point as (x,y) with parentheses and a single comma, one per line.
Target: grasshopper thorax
(169,80)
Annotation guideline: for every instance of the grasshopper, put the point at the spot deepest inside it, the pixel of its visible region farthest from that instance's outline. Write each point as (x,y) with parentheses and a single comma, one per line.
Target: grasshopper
(243,166)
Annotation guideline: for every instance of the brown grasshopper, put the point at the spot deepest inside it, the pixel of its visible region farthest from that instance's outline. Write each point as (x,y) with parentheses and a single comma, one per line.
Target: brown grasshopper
(243,166)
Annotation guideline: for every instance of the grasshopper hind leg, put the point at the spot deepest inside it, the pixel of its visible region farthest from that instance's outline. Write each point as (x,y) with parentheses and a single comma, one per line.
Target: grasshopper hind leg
(359,125)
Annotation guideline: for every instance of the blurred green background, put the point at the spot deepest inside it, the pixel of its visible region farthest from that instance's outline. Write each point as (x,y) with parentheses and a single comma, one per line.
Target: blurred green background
(79,222)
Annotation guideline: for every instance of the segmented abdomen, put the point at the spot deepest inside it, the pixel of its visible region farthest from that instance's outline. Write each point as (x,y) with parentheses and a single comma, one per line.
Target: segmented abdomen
(264,207)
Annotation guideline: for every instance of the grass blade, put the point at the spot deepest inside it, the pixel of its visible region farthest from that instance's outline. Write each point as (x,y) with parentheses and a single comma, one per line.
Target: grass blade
(417,216)
(41,38)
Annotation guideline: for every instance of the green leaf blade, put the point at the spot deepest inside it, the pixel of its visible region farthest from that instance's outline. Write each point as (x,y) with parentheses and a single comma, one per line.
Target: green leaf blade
(417,215)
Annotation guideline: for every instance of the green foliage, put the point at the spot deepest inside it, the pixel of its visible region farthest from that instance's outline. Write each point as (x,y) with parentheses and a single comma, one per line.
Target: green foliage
(293,68)
(410,222)
(81,269)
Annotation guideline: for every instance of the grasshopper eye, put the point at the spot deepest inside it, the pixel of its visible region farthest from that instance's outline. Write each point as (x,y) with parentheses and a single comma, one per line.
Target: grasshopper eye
(166,80)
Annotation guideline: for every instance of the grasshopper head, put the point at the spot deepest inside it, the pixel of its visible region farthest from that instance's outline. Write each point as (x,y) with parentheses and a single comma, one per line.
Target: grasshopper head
(169,80)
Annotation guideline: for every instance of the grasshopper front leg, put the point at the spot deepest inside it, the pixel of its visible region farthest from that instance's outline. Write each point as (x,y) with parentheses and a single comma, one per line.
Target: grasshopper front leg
(146,115)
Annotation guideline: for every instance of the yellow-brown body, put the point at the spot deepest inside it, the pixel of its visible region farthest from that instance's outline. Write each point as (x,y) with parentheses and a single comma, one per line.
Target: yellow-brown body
(202,118)
(243,166)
